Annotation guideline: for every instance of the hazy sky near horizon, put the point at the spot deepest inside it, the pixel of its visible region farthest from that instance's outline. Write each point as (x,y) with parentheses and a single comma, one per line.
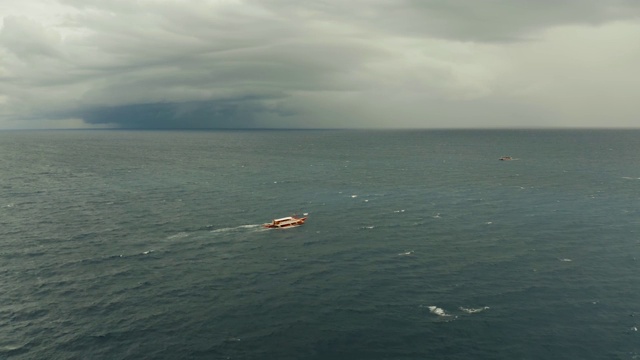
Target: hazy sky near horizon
(317,64)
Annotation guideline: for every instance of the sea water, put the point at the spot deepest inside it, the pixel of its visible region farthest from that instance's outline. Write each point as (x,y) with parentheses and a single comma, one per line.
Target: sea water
(418,245)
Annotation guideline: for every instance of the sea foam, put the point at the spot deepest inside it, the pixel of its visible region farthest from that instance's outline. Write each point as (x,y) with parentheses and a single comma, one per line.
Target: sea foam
(474,310)
(437,311)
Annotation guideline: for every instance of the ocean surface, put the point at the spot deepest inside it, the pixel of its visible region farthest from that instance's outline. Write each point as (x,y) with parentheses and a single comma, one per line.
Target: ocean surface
(418,245)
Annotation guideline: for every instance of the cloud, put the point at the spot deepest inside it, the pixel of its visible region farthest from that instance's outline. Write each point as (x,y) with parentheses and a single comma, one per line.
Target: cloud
(460,20)
(236,113)
(328,63)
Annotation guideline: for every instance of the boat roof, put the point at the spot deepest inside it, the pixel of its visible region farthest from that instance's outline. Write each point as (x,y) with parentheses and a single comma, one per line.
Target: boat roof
(284,218)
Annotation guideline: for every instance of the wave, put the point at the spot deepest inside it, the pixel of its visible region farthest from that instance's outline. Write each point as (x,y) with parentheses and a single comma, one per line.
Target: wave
(437,311)
(442,313)
(473,310)
(179,235)
(13,349)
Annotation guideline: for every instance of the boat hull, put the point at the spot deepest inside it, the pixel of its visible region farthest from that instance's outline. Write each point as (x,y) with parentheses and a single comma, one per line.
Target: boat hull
(285,223)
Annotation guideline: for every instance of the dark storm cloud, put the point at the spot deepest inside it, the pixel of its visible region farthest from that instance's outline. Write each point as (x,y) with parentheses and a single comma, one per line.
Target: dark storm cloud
(205,53)
(382,63)
(236,114)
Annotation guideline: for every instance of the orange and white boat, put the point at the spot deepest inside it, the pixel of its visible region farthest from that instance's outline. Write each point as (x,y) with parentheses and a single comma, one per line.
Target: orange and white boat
(285,222)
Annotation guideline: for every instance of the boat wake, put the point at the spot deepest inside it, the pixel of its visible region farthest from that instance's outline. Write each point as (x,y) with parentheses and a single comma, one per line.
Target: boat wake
(238,228)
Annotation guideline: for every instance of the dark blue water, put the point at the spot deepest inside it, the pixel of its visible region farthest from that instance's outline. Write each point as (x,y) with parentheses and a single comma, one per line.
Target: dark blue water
(419,245)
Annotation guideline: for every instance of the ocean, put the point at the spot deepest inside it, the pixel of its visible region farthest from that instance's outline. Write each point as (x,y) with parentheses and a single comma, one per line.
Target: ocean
(418,244)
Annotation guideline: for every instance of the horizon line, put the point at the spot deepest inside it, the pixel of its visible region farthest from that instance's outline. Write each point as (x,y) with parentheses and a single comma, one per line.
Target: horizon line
(333,129)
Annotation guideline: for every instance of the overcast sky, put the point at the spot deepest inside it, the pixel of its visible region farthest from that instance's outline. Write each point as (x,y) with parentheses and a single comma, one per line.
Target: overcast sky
(319,64)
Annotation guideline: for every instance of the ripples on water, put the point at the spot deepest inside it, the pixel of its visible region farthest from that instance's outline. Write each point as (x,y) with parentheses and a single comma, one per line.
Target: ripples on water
(419,245)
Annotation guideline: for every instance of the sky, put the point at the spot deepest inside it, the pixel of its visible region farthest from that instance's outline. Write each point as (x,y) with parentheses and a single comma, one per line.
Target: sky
(176,64)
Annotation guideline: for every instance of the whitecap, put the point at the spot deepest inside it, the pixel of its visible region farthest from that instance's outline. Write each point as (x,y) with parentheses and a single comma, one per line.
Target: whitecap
(473,310)
(179,235)
(410,252)
(147,252)
(354,196)
(437,311)
(10,348)
(565,260)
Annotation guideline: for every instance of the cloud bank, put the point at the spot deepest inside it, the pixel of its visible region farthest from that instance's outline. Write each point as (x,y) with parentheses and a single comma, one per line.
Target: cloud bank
(329,63)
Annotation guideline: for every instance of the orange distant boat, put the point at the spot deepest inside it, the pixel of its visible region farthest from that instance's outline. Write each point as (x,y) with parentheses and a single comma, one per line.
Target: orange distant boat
(285,222)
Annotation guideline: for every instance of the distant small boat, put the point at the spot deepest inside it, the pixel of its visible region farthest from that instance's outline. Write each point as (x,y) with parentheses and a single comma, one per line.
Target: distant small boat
(285,222)
(505,158)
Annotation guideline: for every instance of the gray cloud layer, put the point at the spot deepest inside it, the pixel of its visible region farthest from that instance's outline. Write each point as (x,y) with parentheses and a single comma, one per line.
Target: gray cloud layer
(329,63)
